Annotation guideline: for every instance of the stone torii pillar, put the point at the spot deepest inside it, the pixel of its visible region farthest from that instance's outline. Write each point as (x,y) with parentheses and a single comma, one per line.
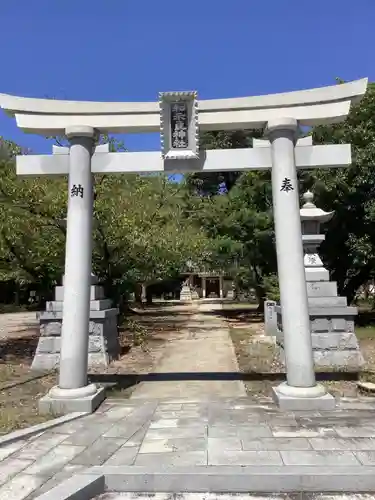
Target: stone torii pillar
(300,390)
(73,392)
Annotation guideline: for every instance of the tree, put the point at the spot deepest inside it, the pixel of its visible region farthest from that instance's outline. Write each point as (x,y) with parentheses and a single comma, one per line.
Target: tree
(240,225)
(210,183)
(349,249)
(140,233)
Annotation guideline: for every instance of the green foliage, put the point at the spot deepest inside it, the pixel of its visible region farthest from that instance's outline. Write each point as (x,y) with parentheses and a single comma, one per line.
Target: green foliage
(240,227)
(31,229)
(349,249)
(147,228)
(271,286)
(209,184)
(140,231)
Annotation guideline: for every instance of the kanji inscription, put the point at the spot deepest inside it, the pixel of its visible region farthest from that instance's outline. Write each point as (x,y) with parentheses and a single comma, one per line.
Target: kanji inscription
(179,125)
(76,190)
(286,185)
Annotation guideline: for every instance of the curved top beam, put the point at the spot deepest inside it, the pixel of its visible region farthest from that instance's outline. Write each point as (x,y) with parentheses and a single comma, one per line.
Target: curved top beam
(351,91)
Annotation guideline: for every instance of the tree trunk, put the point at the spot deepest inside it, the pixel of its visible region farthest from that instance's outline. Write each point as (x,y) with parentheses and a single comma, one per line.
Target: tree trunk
(138,295)
(352,285)
(261,297)
(148,296)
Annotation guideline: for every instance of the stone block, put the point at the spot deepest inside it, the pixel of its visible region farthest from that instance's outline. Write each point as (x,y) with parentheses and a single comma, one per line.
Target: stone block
(50,328)
(322,289)
(270,317)
(342,340)
(350,325)
(338,324)
(316,274)
(88,404)
(327,301)
(289,403)
(45,361)
(320,325)
(96,293)
(334,312)
(57,315)
(102,349)
(94,279)
(49,345)
(348,358)
(95,305)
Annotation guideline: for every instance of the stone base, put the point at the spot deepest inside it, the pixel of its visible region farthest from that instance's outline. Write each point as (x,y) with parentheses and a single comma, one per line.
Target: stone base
(103,348)
(345,359)
(334,342)
(285,402)
(59,402)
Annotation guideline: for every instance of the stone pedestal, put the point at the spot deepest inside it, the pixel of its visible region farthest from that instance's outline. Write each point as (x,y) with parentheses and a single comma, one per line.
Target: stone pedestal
(103,335)
(334,342)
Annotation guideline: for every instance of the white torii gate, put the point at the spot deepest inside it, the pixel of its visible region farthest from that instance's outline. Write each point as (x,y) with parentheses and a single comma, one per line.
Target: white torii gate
(179,118)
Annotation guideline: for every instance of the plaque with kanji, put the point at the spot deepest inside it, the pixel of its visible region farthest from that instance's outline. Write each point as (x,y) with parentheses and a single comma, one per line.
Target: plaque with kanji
(179,125)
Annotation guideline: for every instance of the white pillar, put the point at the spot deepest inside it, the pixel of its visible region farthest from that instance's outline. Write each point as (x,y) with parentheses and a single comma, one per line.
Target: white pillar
(76,311)
(73,392)
(293,292)
(203,287)
(221,286)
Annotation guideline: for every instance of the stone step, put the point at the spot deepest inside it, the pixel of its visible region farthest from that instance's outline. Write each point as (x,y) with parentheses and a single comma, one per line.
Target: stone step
(327,301)
(105,313)
(95,305)
(322,289)
(96,293)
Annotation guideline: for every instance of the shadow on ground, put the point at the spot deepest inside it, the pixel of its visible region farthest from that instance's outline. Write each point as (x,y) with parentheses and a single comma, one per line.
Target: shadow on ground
(19,349)
(127,380)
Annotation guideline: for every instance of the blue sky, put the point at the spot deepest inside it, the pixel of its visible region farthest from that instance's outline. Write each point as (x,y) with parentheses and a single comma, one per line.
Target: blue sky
(123,50)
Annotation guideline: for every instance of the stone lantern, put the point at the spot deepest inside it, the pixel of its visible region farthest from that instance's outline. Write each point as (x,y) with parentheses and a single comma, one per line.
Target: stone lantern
(332,320)
(102,332)
(311,219)
(333,339)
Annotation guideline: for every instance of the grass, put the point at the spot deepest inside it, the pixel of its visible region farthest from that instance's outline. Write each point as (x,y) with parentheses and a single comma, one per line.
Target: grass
(365,332)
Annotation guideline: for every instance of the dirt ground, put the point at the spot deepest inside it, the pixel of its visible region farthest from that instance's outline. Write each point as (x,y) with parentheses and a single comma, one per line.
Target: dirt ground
(20,389)
(258,357)
(155,327)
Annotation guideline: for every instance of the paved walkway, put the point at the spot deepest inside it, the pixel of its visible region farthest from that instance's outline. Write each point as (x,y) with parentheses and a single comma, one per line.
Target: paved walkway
(203,347)
(187,433)
(194,423)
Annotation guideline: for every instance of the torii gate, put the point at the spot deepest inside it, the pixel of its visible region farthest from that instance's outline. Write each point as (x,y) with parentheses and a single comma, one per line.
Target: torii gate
(179,120)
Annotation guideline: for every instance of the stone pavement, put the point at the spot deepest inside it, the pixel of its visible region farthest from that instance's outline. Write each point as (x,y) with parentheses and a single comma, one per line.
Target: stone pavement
(226,496)
(204,346)
(177,432)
